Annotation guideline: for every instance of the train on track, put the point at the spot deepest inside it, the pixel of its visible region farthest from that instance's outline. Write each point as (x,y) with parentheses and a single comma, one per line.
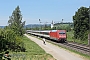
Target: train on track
(57,35)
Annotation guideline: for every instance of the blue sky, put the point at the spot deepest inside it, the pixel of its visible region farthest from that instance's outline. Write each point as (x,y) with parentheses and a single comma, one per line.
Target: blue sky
(45,10)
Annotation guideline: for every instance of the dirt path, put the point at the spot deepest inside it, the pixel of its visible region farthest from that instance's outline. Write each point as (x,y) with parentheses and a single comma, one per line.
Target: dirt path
(57,52)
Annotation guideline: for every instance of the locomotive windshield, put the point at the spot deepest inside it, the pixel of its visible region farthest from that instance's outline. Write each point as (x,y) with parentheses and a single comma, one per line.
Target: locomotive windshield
(62,33)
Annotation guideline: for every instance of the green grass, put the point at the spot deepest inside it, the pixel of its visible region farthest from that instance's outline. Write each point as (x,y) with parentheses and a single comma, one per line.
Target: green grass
(33,52)
(70,38)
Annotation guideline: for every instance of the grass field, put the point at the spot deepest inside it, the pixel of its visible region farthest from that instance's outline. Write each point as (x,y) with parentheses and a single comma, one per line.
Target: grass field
(33,52)
(70,37)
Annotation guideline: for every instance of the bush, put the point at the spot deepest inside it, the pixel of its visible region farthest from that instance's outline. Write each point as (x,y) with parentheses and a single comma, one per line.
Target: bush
(10,41)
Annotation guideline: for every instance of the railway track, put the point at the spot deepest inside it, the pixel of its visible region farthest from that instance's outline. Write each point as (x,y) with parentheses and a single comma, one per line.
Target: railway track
(75,47)
(78,47)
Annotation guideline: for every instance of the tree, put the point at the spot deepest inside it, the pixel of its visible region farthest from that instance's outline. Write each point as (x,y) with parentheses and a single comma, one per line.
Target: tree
(81,23)
(11,35)
(15,22)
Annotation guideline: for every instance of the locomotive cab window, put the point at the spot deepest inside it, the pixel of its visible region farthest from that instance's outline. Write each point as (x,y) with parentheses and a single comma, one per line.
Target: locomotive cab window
(62,33)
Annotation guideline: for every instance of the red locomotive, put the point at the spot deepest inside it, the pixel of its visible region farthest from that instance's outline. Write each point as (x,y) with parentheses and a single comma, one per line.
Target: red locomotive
(58,35)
